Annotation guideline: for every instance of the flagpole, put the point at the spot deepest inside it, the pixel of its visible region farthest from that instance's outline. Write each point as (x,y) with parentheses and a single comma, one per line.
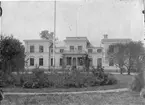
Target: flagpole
(0,20)
(54,35)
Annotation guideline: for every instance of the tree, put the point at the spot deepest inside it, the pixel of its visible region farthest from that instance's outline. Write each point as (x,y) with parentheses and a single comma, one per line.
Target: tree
(127,55)
(116,52)
(86,62)
(134,50)
(45,34)
(11,54)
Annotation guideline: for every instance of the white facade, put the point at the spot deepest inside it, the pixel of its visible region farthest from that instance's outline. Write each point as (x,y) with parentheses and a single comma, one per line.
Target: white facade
(70,52)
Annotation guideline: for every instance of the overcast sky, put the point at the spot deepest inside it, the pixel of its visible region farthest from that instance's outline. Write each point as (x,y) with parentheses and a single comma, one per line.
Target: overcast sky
(118,19)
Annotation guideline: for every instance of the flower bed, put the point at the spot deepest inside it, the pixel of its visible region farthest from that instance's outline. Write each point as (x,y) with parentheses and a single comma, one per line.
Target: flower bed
(74,79)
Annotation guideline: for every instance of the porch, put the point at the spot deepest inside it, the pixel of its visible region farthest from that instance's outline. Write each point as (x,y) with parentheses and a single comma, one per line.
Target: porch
(74,59)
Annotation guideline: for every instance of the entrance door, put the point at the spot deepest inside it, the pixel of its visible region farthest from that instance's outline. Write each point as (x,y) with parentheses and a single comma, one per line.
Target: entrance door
(74,61)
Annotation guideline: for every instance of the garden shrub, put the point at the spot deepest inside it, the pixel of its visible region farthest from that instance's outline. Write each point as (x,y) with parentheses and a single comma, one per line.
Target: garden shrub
(6,79)
(102,77)
(75,78)
(38,79)
(110,79)
(137,83)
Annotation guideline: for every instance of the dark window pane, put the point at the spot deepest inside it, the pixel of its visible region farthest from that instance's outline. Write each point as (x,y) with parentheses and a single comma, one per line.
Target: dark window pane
(31,61)
(51,61)
(31,49)
(61,50)
(80,48)
(60,61)
(40,49)
(40,61)
(71,48)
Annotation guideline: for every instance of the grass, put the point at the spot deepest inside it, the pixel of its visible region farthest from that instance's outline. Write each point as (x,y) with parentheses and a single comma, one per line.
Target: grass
(123,81)
(120,98)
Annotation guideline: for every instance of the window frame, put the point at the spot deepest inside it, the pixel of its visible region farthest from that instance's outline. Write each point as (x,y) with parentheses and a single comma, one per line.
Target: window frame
(80,47)
(32,51)
(72,49)
(32,64)
(51,61)
(61,50)
(41,62)
(60,62)
(41,50)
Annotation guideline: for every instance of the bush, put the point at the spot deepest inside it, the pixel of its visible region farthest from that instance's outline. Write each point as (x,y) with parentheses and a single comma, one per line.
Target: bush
(104,78)
(6,79)
(137,83)
(110,80)
(76,79)
(38,79)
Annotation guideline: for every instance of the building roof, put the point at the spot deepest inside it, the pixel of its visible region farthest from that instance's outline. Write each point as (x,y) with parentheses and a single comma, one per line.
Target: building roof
(115,40)
(36,40)
(60,44)
(76,38)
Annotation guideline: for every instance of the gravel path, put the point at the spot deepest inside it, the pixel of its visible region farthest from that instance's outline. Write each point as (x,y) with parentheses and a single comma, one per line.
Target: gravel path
(61,93)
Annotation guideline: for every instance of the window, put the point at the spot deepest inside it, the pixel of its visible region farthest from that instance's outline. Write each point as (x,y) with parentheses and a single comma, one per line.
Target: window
(80,48)
(68,60)
(71,48)
(60,61)
(99,50)
(90,50)
(111,48)
(61,50)
(31,49)
(51,61)
(31,61)
(40,49)
(111,62)
(40,61)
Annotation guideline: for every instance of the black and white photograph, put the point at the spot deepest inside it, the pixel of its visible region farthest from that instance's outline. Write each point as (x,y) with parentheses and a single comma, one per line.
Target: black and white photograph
(72,52)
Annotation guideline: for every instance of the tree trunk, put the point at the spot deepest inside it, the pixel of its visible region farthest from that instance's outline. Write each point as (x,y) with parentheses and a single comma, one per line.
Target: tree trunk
(129,70)
(120,70)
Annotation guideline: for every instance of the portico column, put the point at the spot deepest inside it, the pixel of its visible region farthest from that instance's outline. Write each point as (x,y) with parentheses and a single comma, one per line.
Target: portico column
(76,61)
(71,61)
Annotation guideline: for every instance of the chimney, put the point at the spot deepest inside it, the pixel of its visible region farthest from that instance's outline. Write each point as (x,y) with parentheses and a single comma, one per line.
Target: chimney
(105,36)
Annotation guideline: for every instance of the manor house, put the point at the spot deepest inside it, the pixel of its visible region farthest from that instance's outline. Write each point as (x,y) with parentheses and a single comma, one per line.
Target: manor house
(70,52)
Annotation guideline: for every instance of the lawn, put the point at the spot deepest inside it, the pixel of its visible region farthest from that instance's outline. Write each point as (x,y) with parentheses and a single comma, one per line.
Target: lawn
(119,98)
(116,98)
(123,81)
